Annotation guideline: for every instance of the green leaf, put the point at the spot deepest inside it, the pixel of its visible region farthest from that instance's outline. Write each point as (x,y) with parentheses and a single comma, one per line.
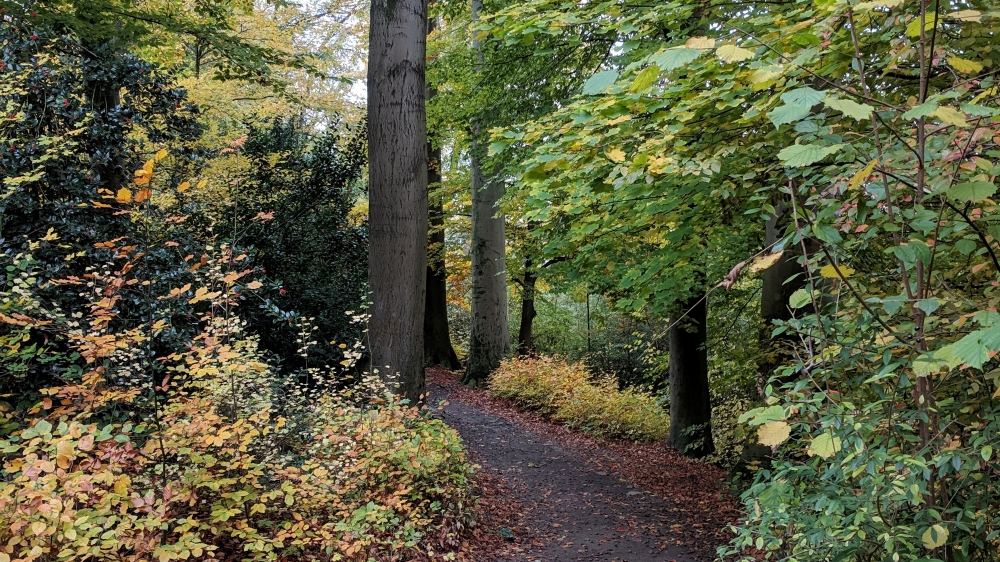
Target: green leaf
(675,57)
(600,82)
(972,191)
(645,79)
(497,148)
(935,537)
(972,350)
(849,108)
(804,97)
(928,305)
(922,110)
(824,445)
(787,113)
(913,28)
(799,155)
(799,299)
(732,53)
(987,453)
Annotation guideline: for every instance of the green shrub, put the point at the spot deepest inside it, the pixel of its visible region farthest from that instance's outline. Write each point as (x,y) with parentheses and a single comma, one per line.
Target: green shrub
(567,393)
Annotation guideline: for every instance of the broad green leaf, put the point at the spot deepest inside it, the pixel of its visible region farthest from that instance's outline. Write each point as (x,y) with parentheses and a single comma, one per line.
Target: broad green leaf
(497,148)
(965,66)
(787,113)
(951,116)
(799,155)
(774,433)
(913,28)
(645,79)
(934,537)
(972,350)
(804,97)
(675,57)
(987,453)
(926,366)
(928,305)
(922,110)
(824,445)
(799,298)
(600,82)
(732,53)
(972,191)
(849,108)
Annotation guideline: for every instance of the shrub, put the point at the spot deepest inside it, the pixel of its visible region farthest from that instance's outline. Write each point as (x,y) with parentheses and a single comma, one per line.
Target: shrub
(567,393)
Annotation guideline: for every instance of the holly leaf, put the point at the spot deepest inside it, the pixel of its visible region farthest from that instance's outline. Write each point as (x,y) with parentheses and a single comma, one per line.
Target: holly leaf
(799,155)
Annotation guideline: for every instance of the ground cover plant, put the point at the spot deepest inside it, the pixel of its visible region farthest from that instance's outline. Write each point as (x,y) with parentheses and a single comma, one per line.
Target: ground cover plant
(570,394)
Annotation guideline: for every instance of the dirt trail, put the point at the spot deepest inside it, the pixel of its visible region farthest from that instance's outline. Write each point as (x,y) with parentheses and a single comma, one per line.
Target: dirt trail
(574,510)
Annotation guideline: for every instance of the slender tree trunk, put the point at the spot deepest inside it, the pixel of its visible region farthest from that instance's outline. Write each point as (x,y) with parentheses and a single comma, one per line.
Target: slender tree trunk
(525,341)
(437,336)
(690,403)
(397,149)
(489,340)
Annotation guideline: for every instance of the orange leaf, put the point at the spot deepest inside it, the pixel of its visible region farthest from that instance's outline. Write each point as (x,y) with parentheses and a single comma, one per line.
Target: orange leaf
(143,194)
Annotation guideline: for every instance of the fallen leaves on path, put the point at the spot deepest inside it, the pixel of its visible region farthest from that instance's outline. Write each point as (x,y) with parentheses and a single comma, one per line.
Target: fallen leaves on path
(703,509)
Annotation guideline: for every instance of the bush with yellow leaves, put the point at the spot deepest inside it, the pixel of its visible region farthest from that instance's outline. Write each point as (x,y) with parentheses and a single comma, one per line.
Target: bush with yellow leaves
(568,393)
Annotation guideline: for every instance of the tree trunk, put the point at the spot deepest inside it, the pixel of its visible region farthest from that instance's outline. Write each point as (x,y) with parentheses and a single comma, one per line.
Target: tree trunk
(437,336)
(690,403)
(489,340)
(776,289)
(525,342)
(397,152)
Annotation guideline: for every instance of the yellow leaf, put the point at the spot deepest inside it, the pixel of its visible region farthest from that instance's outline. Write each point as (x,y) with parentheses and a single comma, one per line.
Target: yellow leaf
(122,484)
(830,271)
(184,186)
(616,155)
(764,262)
(148,166)
(913,28)
(321,472)
(861,175)
(766,74)
(965,66)
(824,445)
(700,43)
(65,448)
(965,15)
(202,184)
(732,53)
(935,537)
(950,115)
(160,155)
(123,195)
(38,527)
(773,433)
(254,285)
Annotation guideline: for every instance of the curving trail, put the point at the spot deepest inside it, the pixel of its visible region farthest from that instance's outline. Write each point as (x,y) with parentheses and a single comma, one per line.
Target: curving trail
(571,499)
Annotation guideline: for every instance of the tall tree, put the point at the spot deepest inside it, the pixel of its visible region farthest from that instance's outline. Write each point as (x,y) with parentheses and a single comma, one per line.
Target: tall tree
(489,340)
(437,336)
(397,151)
(690,403)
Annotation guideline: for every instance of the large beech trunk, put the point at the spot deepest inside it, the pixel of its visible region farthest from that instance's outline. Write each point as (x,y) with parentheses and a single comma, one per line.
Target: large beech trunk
(690,403)
(525,340)
(397,148)
(489,340)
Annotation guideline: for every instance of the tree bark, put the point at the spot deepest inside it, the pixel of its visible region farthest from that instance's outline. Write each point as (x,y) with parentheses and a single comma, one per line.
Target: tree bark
(525,341)
(397,149)
(437,335)
(489,339)
(690,403)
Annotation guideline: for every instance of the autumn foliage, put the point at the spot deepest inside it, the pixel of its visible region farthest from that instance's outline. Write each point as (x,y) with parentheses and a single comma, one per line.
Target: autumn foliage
(571,395)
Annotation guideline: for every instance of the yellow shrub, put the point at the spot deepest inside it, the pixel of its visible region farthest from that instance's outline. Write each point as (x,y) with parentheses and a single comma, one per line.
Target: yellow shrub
(567,393)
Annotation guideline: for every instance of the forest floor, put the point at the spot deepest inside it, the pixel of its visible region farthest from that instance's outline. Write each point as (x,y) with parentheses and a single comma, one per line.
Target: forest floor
(551,494)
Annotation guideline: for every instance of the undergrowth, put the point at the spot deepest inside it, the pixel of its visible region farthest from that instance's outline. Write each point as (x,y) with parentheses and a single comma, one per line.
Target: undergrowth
(566,392)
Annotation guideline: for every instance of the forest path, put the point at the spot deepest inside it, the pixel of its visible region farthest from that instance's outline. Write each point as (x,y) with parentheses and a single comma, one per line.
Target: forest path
(572,505)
